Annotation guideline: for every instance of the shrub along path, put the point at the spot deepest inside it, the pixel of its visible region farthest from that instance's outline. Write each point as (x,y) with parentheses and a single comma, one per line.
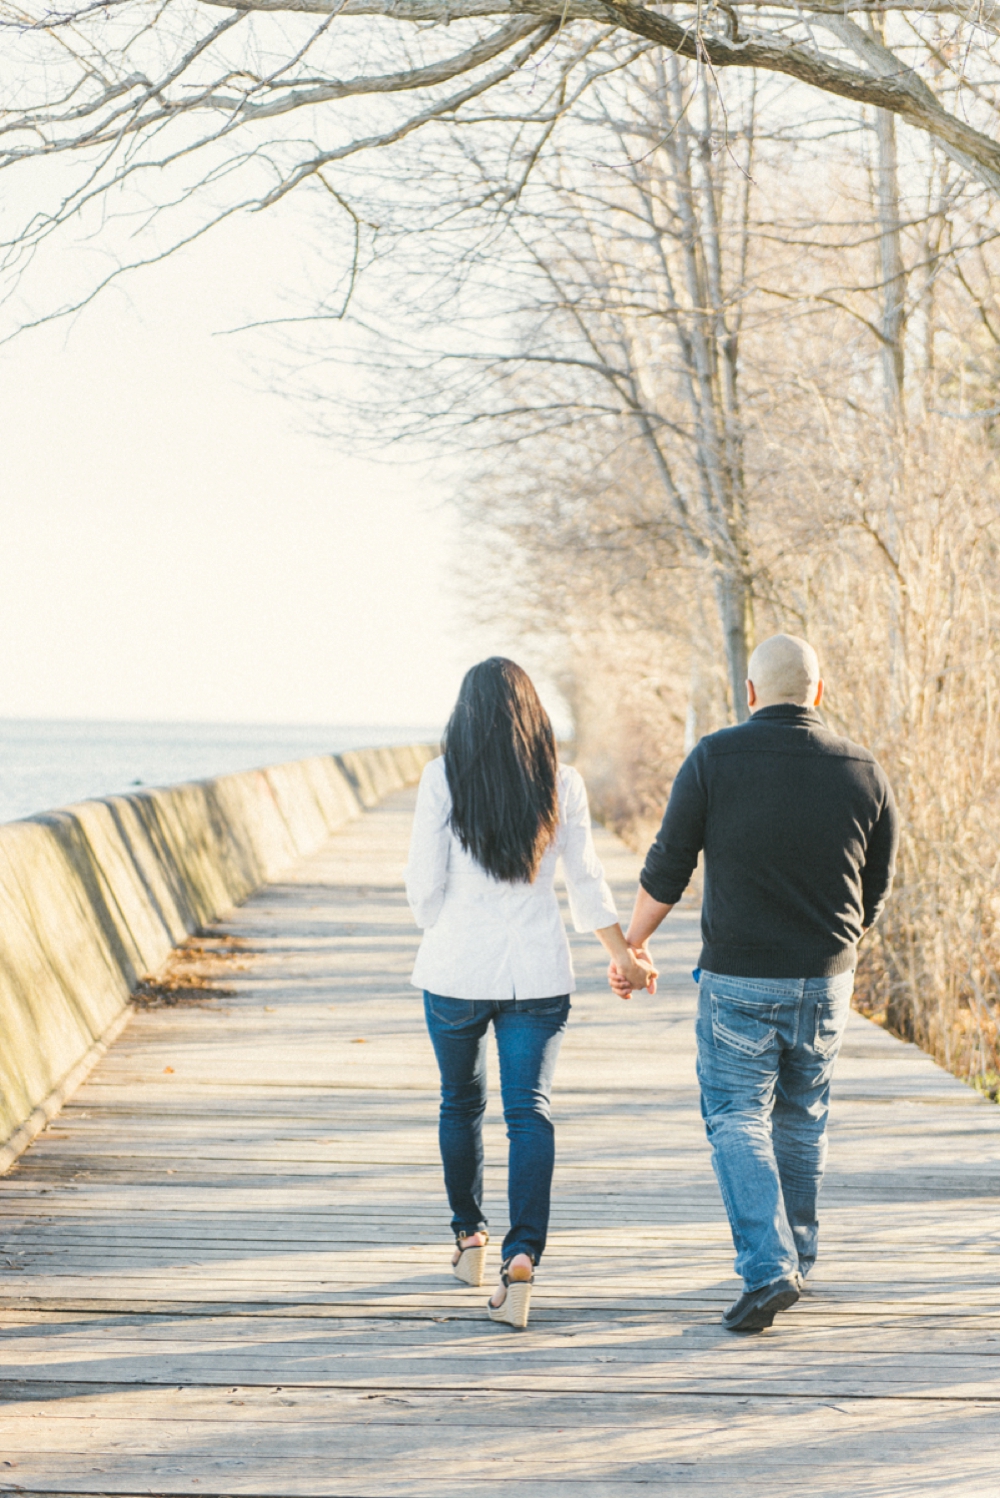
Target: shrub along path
(224,1266)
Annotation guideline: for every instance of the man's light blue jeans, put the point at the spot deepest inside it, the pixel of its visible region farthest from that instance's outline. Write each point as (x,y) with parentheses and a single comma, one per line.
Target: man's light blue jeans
(766,1051)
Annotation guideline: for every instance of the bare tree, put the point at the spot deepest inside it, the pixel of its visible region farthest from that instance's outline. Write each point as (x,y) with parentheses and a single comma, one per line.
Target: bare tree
(213,107)
(908,568)
(878,562)
(893,274)
(606,323)
(620,288)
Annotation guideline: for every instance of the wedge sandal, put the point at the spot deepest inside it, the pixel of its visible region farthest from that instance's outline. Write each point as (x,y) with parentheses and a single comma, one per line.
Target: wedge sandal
(516,1303)
(470,1266)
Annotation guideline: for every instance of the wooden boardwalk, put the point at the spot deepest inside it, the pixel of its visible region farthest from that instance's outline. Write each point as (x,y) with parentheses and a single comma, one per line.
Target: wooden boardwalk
(224,1266)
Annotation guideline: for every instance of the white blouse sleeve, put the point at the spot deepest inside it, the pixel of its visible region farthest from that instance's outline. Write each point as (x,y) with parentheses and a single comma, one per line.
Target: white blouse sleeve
(591,902)
(430,843)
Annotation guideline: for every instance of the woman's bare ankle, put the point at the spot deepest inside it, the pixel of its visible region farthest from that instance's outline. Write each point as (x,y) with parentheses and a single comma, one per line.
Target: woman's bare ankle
(469,1240)
(520,1268)
(519,1271)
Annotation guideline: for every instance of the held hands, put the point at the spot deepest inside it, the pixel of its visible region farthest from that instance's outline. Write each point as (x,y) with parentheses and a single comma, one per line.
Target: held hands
(637,972)
(631,966)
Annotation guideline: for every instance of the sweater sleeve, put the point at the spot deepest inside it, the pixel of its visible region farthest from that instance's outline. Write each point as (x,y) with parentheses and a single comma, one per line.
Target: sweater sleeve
(673,857)
(591,902)
(430,845)
(880,859)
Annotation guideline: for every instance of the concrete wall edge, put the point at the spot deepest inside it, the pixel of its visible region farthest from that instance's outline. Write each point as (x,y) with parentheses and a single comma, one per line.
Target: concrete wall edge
(94,897)
(50,1106)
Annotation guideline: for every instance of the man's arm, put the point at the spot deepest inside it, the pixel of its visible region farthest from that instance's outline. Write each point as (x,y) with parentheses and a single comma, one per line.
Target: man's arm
(647,914)
(880,860)
(670,862)
(673,857)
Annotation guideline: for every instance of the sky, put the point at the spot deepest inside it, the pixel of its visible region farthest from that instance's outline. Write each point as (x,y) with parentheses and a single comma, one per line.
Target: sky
(178,544)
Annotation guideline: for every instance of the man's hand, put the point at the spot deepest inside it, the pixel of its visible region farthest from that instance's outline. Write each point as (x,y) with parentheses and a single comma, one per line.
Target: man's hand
(637,972)
(634,968)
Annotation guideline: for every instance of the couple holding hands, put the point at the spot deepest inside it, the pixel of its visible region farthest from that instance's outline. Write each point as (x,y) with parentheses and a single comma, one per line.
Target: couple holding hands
(798,831)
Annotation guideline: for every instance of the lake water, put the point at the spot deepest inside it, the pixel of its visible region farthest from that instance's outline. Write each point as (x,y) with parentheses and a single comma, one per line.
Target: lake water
(44,764)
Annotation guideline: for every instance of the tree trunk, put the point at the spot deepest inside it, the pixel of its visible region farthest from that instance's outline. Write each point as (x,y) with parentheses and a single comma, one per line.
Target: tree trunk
(893,274)
(736,616)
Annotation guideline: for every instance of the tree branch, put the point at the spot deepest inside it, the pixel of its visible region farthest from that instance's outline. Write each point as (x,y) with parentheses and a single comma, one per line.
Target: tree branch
(413,78)
(884,82)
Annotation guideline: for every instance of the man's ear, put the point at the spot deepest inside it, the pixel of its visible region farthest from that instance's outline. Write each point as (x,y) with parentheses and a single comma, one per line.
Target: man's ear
(752,693)
(819,694)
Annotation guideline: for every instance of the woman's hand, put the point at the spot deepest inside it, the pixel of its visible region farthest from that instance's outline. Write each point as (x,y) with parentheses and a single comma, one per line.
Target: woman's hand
(629,969)
(634,972)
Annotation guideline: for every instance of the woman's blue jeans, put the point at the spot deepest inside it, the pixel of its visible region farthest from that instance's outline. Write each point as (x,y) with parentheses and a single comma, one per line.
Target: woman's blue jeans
(529,1033)
(766,1050)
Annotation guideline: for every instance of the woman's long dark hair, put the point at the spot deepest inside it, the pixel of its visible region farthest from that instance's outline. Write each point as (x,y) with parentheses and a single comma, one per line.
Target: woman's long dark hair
(500,759)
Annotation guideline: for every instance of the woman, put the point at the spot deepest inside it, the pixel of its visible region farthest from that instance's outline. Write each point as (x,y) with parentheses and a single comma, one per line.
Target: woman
(493,816)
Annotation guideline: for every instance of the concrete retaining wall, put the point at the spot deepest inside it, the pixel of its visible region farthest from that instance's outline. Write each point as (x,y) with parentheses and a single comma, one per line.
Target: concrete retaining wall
(94,897)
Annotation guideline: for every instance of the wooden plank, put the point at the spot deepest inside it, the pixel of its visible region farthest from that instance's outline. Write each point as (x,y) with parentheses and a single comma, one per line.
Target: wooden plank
(322,1442)
(230,1276)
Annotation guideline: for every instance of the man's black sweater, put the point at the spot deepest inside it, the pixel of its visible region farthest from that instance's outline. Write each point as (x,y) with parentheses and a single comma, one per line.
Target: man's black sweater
(799,830)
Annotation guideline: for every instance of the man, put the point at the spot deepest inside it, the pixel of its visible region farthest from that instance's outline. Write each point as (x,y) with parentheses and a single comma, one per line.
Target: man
(799,833)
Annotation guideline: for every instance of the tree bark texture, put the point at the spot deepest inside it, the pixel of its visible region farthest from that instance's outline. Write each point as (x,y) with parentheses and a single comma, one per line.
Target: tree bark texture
(734,601)
(891,267)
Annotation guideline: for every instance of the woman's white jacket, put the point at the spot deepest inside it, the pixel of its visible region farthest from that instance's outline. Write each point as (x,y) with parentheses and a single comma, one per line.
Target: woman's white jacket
(487,939)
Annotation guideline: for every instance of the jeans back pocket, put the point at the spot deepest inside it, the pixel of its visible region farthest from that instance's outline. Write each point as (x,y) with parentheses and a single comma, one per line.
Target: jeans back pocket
(557,1005)
(453,1014)
(832,1008)
(746,1025)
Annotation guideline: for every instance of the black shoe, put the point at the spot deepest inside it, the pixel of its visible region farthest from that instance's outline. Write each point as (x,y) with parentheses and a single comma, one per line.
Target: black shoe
(756,1309)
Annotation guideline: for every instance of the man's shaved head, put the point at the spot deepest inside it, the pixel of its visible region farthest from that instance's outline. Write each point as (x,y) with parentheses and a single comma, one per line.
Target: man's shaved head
(784,669)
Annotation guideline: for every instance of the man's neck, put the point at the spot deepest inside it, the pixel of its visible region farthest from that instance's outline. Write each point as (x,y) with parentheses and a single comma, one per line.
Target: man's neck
(798,707)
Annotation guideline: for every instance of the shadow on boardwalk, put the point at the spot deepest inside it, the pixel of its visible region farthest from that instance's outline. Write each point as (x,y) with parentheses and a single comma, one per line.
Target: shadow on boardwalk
(224,1266)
